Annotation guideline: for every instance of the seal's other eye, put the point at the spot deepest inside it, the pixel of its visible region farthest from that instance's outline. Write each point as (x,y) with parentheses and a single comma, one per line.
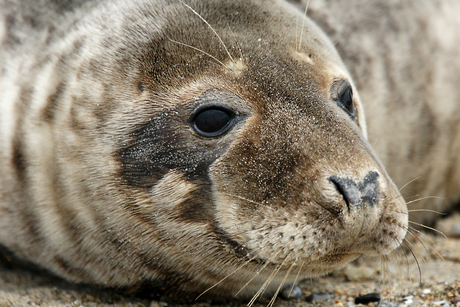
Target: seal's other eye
(342,94)
(346,99)
(212,121)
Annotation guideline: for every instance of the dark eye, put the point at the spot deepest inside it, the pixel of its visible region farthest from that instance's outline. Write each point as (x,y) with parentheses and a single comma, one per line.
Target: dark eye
(212,122)
(345,99)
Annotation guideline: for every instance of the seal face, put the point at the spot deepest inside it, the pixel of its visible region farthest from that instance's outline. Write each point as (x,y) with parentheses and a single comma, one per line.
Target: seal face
(412,110)
(148,153)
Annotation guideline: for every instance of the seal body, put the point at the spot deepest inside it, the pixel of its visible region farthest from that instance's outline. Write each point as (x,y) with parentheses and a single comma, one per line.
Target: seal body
(188,146)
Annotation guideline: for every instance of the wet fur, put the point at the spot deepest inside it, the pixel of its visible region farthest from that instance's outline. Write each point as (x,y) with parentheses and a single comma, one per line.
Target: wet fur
(104,182)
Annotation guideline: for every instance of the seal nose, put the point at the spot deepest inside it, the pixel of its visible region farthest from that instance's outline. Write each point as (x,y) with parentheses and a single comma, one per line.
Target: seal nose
(357,193)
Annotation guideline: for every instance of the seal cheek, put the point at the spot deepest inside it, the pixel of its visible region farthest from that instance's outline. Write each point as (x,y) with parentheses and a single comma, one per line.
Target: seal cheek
(227,211)
(173,189)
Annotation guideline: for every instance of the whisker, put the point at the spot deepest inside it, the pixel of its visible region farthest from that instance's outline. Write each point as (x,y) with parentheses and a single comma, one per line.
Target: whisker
(387,268)
(204,20)
(424,246)
(416,178)
(255,296)
(236,270)
(202,51)
(382,266)
(422,198)
(389,287)
(403,261)
(296,27)
(430,228)
(296,277)
(377,139)
(236,42)
(415,249)
(266,283)
(416,260)
(243,198)
(272,301)
(263,267)
(303,25)
(400,212)
(422,242)
(257,273)
(270,278)
(427,210)
(409,197)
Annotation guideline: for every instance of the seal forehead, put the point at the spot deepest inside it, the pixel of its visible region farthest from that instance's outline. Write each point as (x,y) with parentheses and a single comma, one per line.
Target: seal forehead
(227,37)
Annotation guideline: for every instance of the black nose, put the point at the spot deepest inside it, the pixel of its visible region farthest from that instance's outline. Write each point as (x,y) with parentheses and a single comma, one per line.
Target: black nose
(357,193)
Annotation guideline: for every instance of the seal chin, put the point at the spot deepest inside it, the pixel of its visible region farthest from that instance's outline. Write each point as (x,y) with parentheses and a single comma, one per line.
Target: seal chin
(335,261)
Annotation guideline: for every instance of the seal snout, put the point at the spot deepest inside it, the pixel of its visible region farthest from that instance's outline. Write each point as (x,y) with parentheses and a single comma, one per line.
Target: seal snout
(356,193)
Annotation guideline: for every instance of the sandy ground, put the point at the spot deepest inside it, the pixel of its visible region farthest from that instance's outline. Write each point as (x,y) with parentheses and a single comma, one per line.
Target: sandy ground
(397,281)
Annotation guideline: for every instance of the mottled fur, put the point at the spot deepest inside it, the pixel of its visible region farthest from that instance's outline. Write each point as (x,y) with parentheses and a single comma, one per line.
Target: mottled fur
(104,181)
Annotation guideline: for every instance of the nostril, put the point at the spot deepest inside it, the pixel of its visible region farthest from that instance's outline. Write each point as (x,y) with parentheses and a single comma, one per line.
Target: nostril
(355,193)
(348,189)
(370,188)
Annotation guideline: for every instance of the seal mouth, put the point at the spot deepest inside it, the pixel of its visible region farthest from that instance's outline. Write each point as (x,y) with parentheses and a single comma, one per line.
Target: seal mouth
(339,257)
(318,267)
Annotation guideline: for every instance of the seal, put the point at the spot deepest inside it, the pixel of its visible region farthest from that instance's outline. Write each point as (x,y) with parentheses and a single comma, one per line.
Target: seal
(201,148)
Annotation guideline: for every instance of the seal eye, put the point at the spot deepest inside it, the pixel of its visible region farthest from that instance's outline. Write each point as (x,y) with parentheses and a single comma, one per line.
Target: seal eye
(342,93)
(346,99)
(212,122)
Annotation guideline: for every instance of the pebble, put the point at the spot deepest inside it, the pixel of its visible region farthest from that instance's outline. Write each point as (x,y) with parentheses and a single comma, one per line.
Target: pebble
(158,304)
(315,297)
(384,303)
(367,298)
(408,300)
(290,292)
(455,232)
